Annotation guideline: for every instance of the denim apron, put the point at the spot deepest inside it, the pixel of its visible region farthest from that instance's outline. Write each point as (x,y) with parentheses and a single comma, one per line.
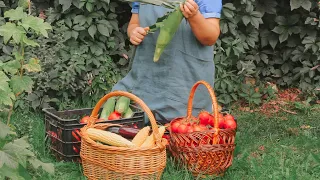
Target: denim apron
(165,85)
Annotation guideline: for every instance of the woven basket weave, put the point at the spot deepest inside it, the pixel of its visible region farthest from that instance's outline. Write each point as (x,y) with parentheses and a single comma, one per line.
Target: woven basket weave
(110,162)
(203,152)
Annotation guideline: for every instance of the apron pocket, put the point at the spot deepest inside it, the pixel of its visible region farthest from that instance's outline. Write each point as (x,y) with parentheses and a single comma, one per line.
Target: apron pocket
(184,71)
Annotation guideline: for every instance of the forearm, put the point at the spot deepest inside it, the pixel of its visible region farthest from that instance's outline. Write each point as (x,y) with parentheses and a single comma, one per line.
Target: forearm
(134,22)
(206,31)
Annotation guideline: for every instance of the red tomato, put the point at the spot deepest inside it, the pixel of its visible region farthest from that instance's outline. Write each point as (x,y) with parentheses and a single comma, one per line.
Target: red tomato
(230,124)
(228,116)
(54,136)
(199,127)
(85,120)
(204,117)
(174,126)
(114,116)
(182,128)
(189,129)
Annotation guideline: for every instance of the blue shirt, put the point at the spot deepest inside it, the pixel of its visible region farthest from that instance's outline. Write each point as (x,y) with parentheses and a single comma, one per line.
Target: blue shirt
(208,8)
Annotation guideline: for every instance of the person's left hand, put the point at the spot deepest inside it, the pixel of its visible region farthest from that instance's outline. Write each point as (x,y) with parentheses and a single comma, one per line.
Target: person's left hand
(189,8)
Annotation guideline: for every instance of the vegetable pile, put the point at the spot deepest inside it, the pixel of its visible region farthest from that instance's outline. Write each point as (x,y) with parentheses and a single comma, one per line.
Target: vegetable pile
(143,138)
(204,122)
(114,109)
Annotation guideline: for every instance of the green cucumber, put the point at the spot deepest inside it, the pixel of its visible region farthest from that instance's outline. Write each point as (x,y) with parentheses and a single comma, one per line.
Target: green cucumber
(108,108)
(122,104)
(129,113)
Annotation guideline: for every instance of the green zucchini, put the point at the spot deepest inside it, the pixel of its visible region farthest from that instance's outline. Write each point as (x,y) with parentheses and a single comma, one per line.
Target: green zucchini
(108,108)
(129,113)
(122,104)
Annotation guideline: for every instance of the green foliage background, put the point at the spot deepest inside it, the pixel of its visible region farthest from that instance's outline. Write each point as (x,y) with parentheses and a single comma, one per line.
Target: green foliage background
(87,51)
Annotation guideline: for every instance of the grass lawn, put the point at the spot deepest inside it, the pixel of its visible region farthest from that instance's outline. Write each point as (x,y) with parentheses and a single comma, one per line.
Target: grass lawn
(284,146)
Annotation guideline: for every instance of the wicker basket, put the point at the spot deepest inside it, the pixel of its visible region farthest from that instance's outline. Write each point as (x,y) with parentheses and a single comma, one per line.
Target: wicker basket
(111,162)
(203,152)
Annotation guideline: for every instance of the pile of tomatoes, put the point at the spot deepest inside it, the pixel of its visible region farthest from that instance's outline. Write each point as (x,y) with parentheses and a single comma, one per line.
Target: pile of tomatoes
(204,122)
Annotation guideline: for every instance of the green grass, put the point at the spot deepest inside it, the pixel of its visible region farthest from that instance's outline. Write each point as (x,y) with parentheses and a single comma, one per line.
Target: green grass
(267,148)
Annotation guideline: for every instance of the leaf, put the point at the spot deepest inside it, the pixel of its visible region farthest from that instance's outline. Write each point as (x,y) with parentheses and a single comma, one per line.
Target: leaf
(285,68)
(48,167)
(6,97)
(33,65)
(10,173)
(6,159)
(246,20)
(65,4)
(37,24)
(29,41)
(284,36)
(295,4)
(11,66)
(11,30)
(5,130)
(78,28)
(15,14)
(2,5)
(3,77)
(273,41)
(89,6)
(92,30)
(278,29)
(103,29)
(19,150)
(20,84)
(281,20)
(75,34)
(80,19)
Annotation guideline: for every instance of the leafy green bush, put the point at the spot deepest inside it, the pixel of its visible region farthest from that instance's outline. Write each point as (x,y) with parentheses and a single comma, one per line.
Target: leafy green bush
(87,52)
(275,40)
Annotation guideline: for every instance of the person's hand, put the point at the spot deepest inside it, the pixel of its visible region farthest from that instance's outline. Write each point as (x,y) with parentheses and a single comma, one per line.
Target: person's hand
(189,8)
(138,34)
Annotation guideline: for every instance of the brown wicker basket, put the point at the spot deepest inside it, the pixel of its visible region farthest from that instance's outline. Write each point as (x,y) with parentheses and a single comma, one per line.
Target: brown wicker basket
(110,162)
(203,152)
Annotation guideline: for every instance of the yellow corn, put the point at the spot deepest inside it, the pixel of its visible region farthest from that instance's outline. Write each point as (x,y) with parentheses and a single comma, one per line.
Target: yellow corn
(141,136)
(109,138)
(151,140)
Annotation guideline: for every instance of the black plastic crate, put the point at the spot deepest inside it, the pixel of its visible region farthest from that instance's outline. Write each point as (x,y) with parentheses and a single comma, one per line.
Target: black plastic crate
(61,124)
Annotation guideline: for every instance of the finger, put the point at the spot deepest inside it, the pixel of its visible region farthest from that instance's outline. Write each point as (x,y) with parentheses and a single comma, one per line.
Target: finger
(193,3)
(142,31)
(181,8)
(187,11)
(133,42)
(190,7)
(139,36)
(147,29)
(136,39)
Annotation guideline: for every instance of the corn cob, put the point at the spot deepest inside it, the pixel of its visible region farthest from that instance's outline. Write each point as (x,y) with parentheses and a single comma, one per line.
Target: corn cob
(141,136)
(167,32)
(108,138)
(151,140)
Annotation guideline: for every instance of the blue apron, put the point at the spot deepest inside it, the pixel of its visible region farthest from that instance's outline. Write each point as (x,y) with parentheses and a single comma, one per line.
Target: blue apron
(165,85)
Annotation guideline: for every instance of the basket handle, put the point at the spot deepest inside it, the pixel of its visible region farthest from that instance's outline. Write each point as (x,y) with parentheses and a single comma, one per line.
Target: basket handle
(213,99)
(95,111)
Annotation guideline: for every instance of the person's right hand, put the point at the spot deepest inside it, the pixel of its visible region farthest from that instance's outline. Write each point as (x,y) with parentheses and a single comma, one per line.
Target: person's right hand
(138,34)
